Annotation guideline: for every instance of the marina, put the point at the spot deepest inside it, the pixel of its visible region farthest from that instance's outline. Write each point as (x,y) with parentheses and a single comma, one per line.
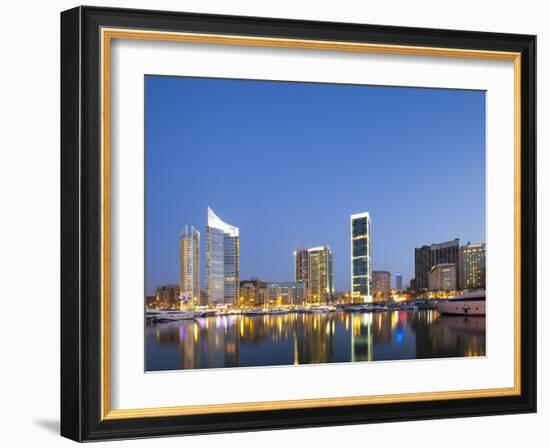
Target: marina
(296,338)
(169,315)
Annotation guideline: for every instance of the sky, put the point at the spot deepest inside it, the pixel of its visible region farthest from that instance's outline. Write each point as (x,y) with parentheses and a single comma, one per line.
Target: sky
(288,162)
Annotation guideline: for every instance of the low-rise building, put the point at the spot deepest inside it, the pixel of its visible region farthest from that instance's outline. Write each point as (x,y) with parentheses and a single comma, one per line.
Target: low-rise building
(286,293)
(151,302)
(167,296)
(252,293)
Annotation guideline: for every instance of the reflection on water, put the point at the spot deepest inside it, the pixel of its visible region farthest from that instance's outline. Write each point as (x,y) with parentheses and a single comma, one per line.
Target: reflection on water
(297,338)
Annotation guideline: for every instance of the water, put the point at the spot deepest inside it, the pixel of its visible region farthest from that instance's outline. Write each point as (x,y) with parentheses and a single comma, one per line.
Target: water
(297,338)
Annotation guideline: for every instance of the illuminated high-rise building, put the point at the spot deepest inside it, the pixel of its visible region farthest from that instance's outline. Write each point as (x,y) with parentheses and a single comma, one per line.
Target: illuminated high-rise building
(313,267)
(361,273)
(320,278)
(222,261)
(471,266)
(301,266)
(190,289)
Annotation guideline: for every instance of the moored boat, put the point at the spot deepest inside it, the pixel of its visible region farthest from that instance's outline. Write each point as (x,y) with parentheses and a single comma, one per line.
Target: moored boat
(366,308)
(168,315)
(320,309)
(469,304)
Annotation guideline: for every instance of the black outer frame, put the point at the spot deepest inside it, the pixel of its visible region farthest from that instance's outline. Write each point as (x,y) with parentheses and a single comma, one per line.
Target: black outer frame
(80,224)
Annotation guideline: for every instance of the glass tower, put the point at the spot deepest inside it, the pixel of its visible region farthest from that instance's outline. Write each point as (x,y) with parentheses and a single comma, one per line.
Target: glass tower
(361,273)
(222,261)
(190,291)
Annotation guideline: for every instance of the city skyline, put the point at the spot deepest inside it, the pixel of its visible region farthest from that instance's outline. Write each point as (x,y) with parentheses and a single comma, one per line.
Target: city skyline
(256,204)
(448,266)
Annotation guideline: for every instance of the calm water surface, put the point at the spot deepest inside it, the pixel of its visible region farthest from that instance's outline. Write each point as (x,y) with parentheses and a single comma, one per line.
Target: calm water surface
(297,338)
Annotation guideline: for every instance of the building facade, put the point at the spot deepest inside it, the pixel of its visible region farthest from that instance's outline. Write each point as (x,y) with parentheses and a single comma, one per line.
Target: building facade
(190,283)
(399,281)
(423,262)
(426,257)
(222,262)
(471,266)
(381,283)
(361,274)
(301,266)
(151,303)
(253,293)
(320,277)
(286,293)
(167,297)
(313,268)
(443,277)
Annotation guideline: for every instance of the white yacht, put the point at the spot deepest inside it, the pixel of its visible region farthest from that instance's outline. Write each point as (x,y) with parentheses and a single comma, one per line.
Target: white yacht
(469,304)
(168,315)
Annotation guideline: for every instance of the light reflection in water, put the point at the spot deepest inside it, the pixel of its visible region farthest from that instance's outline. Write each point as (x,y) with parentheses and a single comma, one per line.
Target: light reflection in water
(286,339)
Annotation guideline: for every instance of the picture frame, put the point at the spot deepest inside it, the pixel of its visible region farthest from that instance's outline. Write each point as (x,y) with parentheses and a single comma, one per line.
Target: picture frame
(86,206)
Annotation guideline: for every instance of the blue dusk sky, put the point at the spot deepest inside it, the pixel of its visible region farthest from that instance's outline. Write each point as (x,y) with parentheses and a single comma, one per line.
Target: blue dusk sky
(288,162)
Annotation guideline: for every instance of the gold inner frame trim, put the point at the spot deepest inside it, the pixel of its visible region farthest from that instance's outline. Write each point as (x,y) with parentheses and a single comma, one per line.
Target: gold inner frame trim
(107,35)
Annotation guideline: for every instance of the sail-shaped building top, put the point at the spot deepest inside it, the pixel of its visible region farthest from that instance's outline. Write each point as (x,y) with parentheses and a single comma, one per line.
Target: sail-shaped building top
(222,261)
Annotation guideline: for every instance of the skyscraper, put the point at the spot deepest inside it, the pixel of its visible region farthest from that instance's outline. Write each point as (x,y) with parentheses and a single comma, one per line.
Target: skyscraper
(423,262)
(360,227)
(399,281)
(426,257)
(471,266)
(313,267)
(320,276)
(222,261)
(301,266)
(190,266)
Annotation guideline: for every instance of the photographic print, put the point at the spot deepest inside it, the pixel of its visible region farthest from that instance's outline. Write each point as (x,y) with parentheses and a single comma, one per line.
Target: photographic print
(256,201)
(293,223)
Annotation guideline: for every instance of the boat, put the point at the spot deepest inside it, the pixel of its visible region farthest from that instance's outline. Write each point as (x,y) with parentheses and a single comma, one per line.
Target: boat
(158,316)
(278,311)
(367,308)
(469,304)
(425,305)
(320,309)
(254,311)
(205,313)
(377,308)
(408,307)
